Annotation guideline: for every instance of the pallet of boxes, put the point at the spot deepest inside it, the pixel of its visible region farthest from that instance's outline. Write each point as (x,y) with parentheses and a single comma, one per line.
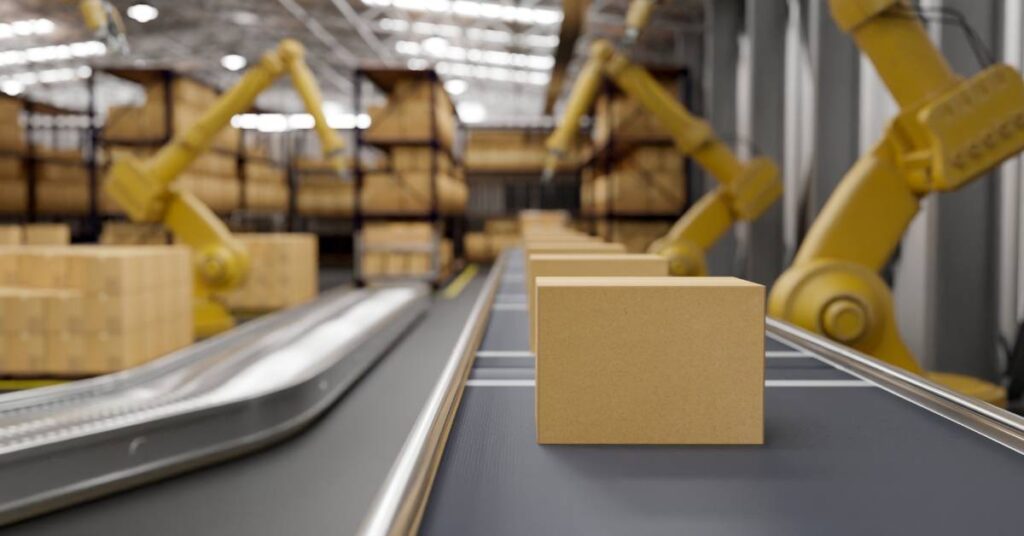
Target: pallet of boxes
(497,235)
(173,104)
(322,192)
(422,181)
(72,311)
(283,273)
(638,188)
(13,182)
(264,182)
(405,250)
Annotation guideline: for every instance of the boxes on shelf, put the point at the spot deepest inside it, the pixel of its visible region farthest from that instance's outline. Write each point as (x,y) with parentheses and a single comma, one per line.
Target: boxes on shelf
(637,236)
(46,234)
(13,185)
(12,136)
(409,193)
(418,159)
(639,193)
(283,272)
(321,192)
(620,117)
(189,100)
(11,235)
(407,115)
(83,310)
(133,234)
(403,249)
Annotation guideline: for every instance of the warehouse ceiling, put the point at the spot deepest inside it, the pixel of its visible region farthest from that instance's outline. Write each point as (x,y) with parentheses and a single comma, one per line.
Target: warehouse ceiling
(496,55)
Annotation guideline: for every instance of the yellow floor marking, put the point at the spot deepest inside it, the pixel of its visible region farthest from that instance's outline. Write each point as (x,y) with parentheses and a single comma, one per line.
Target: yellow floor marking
(459,283)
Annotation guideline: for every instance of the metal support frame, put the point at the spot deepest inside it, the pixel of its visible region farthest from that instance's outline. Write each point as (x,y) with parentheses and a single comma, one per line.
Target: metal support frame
(723,22)
(964,256)
(835,62)
(765,24)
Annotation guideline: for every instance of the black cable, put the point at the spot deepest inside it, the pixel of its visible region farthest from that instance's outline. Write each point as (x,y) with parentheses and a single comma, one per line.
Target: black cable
(951,17)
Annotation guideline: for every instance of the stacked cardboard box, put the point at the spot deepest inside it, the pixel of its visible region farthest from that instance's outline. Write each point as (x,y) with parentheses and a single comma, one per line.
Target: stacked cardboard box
(133,234)
(62,182)
(407,115)
(402,250)
(623,118)
(266,186)
(321,191)
(283,272)
(498,234)
(46,234)
(13,186)
(649,181)
(506,150)
(638,236)
(82,310)
(12,136)
(213,176)
(409,193)
(189,100)
(11,235)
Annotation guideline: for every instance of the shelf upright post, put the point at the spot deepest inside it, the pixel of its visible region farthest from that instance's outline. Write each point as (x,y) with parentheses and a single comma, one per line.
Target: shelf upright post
(357,169)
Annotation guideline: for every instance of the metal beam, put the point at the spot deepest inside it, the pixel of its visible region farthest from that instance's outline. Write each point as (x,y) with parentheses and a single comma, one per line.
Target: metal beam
(765,24)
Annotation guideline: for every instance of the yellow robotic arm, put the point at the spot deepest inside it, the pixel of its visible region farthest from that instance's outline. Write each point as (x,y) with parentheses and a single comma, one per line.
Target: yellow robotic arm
(105,22)
(637,16)
(948,132)
(146,189)
(746,189)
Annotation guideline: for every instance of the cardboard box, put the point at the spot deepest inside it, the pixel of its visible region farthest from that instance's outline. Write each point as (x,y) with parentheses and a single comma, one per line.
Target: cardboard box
(533,248)
(10,235)
(573,265)
(47,234)
(650,360)
(283,272)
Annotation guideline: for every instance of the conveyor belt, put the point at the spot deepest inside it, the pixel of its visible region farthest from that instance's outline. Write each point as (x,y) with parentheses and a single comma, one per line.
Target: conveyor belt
(319,482)
(842,456)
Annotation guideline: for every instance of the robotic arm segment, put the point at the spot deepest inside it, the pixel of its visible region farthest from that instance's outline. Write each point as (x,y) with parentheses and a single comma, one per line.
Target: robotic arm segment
(105,22)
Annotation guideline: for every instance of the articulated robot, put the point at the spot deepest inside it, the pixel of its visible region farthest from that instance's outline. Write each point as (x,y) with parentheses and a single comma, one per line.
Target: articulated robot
(949,131)
(146,189)
(746,189)
(104,21)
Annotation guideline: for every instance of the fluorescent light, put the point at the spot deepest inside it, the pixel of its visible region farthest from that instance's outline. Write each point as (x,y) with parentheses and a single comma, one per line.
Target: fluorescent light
(142,13)
(25,28)
(12,87)
(233,62)
(456,86)
(270,122)
(500,74)
(417,64)
(433,48)
(472,112)
(83,49)
(476,10)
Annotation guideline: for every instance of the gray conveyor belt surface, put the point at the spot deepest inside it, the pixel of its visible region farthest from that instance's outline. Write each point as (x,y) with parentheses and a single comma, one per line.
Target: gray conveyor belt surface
(319,482)
(842,456)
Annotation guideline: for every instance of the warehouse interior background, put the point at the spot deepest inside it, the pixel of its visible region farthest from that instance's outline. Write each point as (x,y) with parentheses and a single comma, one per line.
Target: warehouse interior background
(341,193)
(773,77)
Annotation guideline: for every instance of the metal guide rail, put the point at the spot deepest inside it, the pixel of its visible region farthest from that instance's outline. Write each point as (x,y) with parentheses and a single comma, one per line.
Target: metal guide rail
(852,446)
(214,400)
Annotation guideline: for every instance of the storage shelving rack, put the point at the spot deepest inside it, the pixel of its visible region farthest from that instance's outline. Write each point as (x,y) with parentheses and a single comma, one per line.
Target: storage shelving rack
(502,190)
(58,139)
(606,155)
(450,226)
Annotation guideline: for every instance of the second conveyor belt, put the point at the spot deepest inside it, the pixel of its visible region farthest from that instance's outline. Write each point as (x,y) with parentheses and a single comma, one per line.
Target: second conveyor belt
(842,455)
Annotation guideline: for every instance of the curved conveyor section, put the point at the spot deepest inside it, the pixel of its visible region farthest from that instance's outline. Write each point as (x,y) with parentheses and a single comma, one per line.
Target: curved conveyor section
(217,399)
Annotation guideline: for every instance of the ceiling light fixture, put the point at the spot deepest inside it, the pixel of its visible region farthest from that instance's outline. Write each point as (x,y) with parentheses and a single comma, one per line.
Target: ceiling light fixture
(456,86)
(25,28)
(142,13)
(472,112)
(83,49)
(434,49)
(233,62)
(476,10)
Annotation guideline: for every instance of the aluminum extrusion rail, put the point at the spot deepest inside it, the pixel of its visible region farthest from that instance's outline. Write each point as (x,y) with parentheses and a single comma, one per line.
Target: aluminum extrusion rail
(400,503)
(223,398)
